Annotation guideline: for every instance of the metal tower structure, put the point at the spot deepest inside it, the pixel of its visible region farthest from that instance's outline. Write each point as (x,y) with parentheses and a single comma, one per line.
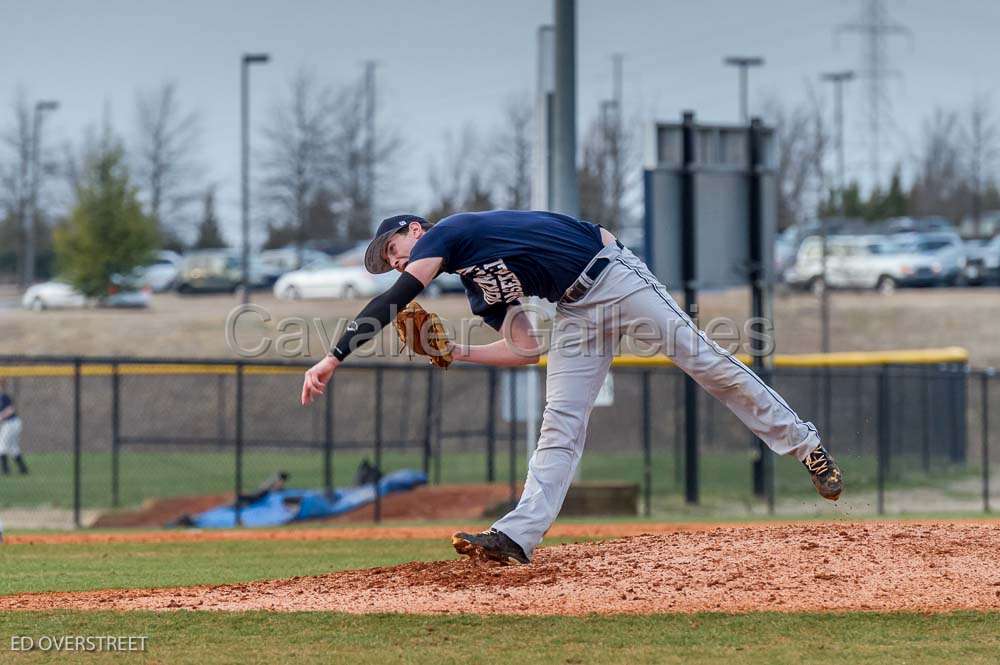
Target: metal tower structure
(875,26)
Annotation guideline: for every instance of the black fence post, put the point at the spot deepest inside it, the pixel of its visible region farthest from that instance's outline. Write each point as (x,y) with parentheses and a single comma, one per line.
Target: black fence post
(986,375)
(115,434)
(429,415)
(647,446)
(961,408)
(77,439)
(220,418)
(759,296)
(238,481)
(689,274)
(512,376)
(328,440)
(437,440)
(925,410)
(491,430)
(378,444)
(679,395)
(883,437)
(828,419)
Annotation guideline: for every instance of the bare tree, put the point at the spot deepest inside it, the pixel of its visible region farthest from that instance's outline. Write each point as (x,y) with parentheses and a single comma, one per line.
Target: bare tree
(981,146)
(456,179)
(15,179)
(593,175)
(298,152)
(803,142)
(512,148)
(938,188)
(610,172)
(165,157)
(351,156)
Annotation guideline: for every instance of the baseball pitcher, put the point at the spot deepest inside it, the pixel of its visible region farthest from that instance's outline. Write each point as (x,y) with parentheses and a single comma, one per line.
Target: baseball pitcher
(601,291)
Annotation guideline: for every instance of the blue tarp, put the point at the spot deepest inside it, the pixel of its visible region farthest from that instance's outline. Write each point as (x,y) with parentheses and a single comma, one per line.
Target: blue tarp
(291,505)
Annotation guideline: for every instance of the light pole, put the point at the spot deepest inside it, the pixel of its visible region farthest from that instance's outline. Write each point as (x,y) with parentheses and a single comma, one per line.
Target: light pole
(744,63)
(248,59)
(36,139)
(838,79)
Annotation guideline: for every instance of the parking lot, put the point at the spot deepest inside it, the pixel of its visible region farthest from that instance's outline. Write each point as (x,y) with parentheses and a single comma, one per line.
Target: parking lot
(194,326)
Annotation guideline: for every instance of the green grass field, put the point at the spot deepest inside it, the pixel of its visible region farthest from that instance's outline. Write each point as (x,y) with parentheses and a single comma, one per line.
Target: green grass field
(724,477)
(316,637)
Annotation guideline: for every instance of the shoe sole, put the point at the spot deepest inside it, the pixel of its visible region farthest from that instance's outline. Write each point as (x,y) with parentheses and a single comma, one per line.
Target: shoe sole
(832,497)
(474,551)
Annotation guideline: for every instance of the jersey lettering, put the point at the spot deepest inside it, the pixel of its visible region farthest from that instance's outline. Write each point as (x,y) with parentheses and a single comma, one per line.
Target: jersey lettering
(498,283)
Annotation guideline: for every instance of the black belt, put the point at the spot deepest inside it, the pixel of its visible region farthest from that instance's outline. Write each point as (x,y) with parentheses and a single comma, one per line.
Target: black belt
(580,287)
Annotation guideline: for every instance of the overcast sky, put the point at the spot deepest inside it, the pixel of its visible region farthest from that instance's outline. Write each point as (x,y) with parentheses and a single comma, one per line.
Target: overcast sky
(443,63)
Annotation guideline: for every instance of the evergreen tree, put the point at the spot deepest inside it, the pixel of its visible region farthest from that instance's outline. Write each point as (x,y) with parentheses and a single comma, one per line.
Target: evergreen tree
(107,233)
(895,204)
(209,235)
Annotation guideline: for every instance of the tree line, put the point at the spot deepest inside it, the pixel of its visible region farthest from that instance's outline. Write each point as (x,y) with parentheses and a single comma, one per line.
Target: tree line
(949,171)
(322,174)
(108,201)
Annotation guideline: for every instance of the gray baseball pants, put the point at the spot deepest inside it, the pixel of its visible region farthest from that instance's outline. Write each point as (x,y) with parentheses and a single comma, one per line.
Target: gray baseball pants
(626,299)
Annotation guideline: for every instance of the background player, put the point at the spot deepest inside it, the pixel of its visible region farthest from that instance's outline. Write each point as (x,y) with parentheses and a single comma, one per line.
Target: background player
(602,290)
(10,432)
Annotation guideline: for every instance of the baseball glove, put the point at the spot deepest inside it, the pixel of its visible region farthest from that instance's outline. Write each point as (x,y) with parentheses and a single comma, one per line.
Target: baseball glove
(423,333)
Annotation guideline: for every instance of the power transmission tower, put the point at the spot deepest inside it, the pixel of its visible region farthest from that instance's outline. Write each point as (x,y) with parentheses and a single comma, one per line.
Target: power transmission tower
(874,26)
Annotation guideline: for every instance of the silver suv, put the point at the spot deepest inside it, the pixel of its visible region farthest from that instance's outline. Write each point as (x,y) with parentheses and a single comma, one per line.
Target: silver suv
(860,262)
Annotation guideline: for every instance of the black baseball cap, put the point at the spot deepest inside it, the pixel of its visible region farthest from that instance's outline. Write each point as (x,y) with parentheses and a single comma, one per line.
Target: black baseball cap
(375,261)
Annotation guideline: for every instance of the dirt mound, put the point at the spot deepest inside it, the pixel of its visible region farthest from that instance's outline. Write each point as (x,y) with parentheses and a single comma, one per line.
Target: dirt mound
(160,512)
(820,567)
(435,502)
(429,502)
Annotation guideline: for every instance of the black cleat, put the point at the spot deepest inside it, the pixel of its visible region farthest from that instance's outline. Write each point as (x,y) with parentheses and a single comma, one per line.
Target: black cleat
(825,473)
(493,545)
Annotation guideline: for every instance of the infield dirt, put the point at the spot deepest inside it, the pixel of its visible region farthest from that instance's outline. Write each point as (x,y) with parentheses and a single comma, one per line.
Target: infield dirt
(881,566)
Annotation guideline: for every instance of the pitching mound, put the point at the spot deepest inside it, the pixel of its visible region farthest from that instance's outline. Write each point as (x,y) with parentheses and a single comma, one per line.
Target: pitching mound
(821,567)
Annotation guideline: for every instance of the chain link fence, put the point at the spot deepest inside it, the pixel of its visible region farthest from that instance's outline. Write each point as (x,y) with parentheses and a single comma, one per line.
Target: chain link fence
(106,433)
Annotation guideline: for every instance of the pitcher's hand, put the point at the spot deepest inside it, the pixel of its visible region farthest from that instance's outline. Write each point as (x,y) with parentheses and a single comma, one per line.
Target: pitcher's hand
(316,379)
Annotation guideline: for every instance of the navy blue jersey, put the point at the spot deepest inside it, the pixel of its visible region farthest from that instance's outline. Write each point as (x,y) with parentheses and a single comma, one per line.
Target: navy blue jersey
(504,255)
(6,401)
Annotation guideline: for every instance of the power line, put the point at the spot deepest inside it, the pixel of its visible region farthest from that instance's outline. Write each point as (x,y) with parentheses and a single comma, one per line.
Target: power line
(874,26)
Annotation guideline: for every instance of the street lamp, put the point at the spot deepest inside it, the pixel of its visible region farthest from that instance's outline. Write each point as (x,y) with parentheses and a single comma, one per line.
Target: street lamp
(247,60)
(744,63)
(838,79)
(36,139)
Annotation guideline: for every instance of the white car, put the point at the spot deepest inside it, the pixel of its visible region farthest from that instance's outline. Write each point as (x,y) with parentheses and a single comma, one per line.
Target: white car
(343,276)
(862,262)
(944,249)
(982,263)
(161,274)
(52,295)
(126,292)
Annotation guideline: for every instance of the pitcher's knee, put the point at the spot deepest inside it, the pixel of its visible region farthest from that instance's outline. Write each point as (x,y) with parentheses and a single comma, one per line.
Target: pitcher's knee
(562,426)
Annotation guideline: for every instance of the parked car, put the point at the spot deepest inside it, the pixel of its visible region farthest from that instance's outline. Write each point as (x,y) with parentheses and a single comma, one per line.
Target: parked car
(209,270)
(944,248)
(982,261)
(206,271)
(161,274)
(124,291)
(861,262)
(54,294)
(280,261)
(343,276)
